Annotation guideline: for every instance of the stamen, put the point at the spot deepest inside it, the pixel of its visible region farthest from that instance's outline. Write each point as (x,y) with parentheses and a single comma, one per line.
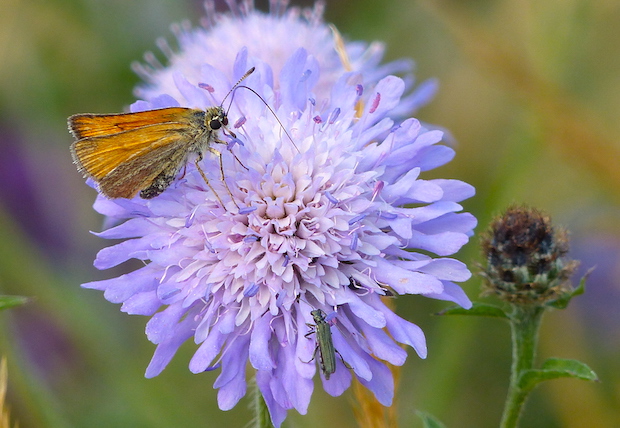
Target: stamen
(246,210)
(306,74)
(190,218)
(375,103)
(334,115)
(240,122)
(354,242)
(357,218)
(251,291)
(388,215)
(206,87)
(379,185)
(331,198)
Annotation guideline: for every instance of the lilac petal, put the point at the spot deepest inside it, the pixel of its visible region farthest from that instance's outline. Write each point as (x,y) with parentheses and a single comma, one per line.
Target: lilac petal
(226,323)
(231,380)
(229,395)
(140,106)
(442,244)
(278,390)
(422,215)
(240,66)
(117,290)
(454,222)
(113,256)
(194,96)
(169,331)
(164,352)
(404,281)
(298,389)
(455,190)
(276,411)
(403,331)
(207,351)
(339,381)
(171,292)
(132,228)
(402,186)
(109,207)
(371,151)
(161,101)
(145,303)
(217,79)
(433,157)
(381,383)
(402,226)
(413,154)
(260,356)
(353,357)
(292,89)
(383,346)
(425,191)
(452,293)
(345,92)
(304,355)
(365,312)
(422,95)
(390,88)
(447,269)
(159,326)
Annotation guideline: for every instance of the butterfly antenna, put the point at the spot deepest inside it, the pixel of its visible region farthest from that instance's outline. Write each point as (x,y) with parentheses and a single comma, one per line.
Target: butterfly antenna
(271,110)
(236,85)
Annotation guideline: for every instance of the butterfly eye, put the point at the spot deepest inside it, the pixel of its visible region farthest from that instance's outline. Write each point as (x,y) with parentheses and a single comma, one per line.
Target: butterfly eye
(215,124)
(225,120)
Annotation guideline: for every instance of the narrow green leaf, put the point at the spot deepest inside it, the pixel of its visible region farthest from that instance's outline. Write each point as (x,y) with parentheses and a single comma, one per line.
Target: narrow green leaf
(429,421)
(11,301)
(478,309)
(576,368)
(555,368)
(563,301)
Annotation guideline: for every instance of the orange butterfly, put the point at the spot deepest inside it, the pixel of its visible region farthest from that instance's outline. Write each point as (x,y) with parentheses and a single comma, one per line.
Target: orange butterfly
(143,152)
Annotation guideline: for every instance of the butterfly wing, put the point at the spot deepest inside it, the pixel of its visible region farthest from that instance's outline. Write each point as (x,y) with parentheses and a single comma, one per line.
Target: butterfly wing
(125,162)
(140,172)
(96,125)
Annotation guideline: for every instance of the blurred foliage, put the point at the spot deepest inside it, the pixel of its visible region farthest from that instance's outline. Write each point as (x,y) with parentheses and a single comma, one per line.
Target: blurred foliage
(528,90)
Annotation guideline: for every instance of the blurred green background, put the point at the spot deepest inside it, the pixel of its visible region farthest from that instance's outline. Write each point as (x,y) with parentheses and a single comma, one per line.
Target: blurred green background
(530,92)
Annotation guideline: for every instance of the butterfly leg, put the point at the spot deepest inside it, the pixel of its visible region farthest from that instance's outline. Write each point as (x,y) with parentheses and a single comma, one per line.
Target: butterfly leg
(219,155)
(204,177)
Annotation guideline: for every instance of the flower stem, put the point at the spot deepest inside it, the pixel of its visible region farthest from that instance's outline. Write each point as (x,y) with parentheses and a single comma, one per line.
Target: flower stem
(524,324)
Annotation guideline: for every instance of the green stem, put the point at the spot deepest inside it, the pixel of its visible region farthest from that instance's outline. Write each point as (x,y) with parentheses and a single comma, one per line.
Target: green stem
(524,324)
(262,418)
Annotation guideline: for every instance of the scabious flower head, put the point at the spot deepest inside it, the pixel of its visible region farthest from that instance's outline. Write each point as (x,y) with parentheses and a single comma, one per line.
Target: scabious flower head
(326,198)
(526,258)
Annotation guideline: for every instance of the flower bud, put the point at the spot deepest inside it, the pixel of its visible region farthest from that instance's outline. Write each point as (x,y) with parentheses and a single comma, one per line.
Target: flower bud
(525,257)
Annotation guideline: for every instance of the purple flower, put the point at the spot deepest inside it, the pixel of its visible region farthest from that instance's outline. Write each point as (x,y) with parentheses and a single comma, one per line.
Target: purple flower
(326,198)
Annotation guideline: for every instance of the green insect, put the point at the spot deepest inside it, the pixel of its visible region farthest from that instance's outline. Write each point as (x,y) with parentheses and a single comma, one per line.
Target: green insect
(324,344)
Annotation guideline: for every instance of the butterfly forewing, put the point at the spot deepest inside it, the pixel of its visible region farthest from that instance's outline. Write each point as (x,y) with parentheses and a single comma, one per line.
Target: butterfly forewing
(99,156)
(94,125)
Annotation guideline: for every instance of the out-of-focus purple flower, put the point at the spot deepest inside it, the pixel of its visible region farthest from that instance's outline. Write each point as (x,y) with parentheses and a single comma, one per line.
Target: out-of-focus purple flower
(273,38)
(321,220)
